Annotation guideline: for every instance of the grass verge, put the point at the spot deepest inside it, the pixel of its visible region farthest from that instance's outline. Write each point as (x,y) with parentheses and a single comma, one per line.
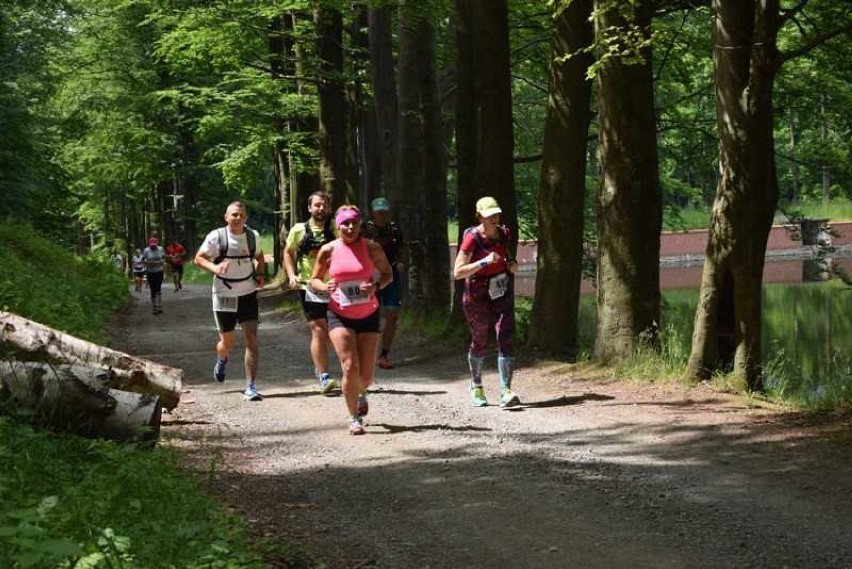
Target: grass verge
(66,501)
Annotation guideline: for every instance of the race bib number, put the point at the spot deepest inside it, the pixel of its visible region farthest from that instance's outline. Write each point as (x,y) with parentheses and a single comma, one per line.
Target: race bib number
(312,295)
(224,303)
(350,293)
(498,285)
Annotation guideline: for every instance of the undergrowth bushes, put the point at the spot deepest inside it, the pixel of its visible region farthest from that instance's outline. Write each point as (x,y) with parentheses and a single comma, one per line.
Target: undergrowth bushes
(45,283)
(68,502)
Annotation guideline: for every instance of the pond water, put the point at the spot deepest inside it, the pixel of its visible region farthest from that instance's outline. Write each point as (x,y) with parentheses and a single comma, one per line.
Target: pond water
(688,276)
(807,326)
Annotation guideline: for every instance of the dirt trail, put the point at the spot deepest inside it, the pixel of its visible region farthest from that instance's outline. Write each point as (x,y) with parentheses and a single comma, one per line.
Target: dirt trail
(585,475)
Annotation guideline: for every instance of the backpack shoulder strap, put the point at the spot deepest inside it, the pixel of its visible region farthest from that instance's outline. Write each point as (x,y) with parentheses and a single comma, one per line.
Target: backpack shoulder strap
(222,240)
(327,233)
(251,241)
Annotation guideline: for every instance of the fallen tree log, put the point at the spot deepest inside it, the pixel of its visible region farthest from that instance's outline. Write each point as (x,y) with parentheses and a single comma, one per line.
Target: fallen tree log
(77,398)
(42,343)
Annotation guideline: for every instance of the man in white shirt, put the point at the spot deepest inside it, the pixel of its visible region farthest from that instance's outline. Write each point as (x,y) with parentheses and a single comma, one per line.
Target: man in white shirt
(234,257)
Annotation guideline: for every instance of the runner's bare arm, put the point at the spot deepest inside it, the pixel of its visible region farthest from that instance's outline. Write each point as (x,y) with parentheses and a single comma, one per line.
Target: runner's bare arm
(380,260)
(289,258)
(206,263)
(260,269)
(321,270)
(463,268)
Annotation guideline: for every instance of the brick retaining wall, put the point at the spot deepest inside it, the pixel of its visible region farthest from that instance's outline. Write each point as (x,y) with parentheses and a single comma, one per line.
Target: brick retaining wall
(694,242)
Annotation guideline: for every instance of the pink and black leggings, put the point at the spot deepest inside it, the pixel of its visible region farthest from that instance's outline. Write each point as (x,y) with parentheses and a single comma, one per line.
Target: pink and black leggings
(482,312)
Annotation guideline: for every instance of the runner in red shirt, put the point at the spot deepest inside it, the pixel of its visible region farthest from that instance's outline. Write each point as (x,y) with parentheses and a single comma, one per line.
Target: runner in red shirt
(484,263)
(175,253)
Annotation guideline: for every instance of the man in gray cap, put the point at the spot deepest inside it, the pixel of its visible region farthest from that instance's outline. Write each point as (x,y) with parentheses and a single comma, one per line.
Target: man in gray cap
(388,234)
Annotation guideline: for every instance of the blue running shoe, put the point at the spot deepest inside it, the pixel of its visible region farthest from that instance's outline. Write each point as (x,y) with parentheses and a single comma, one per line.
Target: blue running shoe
(251,394)
(219,370)
(327,384)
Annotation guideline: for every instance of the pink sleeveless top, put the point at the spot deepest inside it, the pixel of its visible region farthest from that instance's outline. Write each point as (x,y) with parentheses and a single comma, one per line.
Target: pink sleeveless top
(351,265)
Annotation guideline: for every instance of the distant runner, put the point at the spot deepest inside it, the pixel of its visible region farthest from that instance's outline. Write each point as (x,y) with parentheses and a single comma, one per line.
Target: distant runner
(155,258)
(176,255)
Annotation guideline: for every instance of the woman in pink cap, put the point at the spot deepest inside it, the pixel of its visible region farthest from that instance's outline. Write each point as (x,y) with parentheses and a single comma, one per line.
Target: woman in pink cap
(351,264)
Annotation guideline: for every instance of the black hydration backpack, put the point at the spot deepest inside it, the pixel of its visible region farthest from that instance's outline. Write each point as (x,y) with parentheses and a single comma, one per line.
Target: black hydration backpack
(222,238)
(311,242)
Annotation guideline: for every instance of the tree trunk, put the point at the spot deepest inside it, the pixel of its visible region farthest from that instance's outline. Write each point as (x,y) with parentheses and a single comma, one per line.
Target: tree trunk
(555,314)
(495,142)
(795,183)
(331,130)
(422,209)
(78,399)
(280,52)
(465,129)
(729,305)
(823,136)
(384,94)
(629,207)
(363,161)
(303,180)
(129,372)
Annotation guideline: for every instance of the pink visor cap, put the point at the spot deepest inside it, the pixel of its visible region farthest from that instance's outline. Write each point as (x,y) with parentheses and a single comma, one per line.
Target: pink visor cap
(347,215)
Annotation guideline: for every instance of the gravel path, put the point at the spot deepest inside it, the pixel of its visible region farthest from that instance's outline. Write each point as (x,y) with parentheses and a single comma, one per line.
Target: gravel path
(586,474)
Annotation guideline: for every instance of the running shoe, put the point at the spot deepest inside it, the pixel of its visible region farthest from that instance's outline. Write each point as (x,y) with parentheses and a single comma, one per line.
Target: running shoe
(509,399)
(363,405)
(477,394)
(385,363)
(327,384)
(219,371)
(356,426)
(251,394)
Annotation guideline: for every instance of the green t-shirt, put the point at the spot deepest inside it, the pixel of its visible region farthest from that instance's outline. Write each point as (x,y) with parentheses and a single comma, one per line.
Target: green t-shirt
(305,265)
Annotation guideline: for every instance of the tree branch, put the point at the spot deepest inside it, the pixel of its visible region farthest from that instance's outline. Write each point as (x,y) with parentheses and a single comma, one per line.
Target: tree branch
(526,159)
(670,47)
(530,83)
(786,15)
(814,43)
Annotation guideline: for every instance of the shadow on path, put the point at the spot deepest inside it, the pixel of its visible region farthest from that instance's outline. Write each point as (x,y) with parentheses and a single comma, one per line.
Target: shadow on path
(393,429)
(565,400)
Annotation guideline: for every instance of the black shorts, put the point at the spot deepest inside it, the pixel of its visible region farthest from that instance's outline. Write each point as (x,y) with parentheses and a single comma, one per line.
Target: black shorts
(177,269)
(139,274)
(371,323)
(246,312)
(313,310)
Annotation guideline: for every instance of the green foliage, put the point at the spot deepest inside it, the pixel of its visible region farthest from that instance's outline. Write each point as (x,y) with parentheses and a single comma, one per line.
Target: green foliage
(46,283)
(834,210)
(69,502)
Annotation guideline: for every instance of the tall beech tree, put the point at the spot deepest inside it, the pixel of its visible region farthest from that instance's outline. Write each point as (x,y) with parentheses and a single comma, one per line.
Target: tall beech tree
(383,79)
(484,121)
(745,37)
(554,325)
(629,203)
(331,130)
(422,161)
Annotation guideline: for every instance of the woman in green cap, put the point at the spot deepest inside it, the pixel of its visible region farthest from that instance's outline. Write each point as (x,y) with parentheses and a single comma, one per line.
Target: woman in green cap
(483,261)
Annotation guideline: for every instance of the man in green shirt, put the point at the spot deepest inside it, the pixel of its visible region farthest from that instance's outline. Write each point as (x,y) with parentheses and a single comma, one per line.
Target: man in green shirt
(300,255)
